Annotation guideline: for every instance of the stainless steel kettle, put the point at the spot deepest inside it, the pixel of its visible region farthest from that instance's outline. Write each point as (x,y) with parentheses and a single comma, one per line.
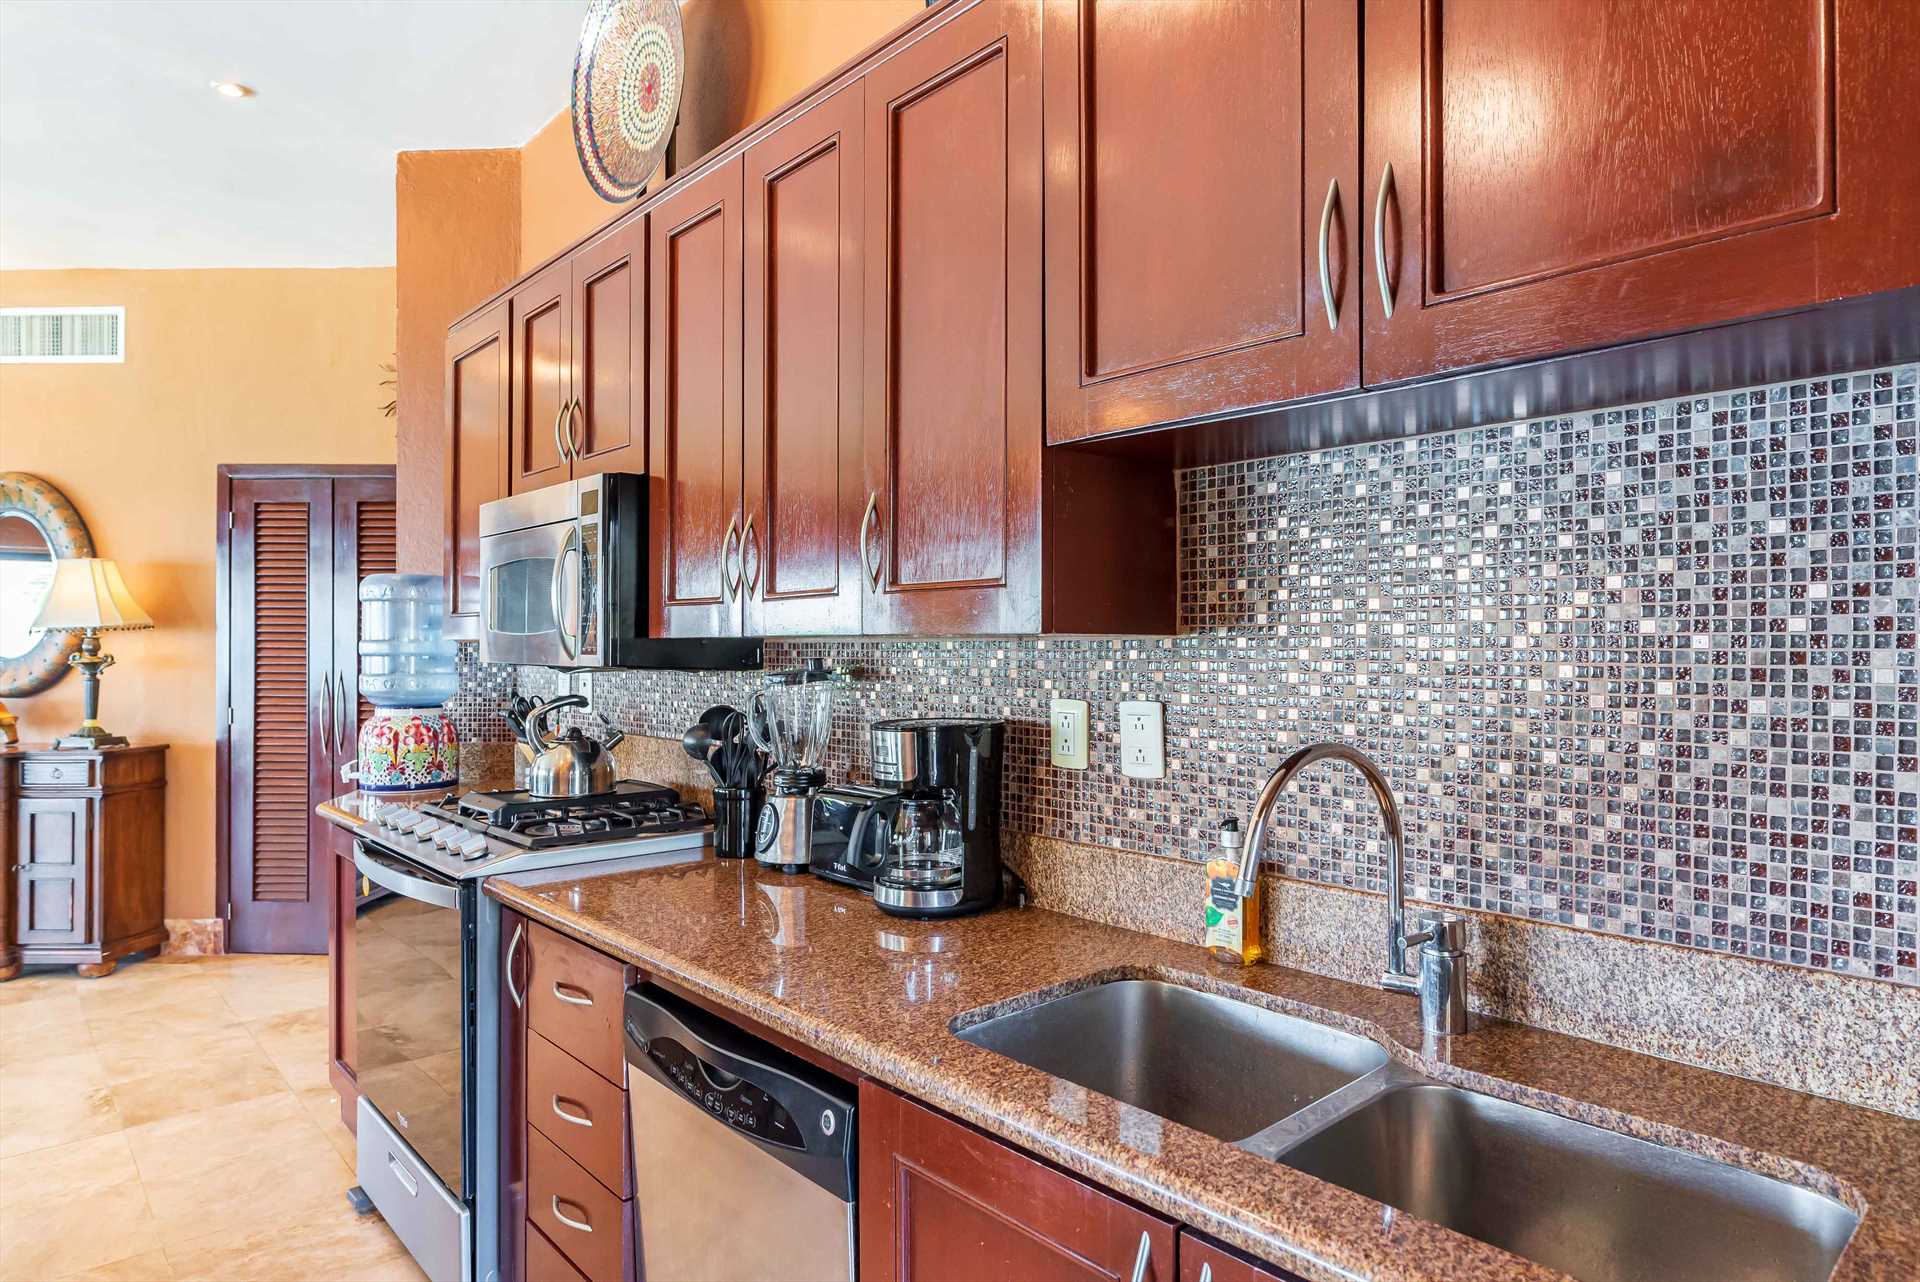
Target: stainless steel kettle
(574,764)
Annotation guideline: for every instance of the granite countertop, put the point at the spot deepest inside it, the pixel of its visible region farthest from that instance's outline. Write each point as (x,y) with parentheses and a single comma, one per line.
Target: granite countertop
(821,964)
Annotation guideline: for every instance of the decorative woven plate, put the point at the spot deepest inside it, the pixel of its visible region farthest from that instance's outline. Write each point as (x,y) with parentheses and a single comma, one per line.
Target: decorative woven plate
(626,91)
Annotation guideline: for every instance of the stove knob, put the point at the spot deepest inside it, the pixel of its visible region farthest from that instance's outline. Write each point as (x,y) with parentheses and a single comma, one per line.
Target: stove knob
(471,846)
(447,835)
(396,817)
(425,828)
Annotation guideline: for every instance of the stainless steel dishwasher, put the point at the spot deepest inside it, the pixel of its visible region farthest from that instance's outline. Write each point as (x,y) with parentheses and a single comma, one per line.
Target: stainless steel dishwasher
(743,1154)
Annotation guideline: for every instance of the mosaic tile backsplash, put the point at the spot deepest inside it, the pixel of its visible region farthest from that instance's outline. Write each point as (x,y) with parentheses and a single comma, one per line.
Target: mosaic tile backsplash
(1649,671)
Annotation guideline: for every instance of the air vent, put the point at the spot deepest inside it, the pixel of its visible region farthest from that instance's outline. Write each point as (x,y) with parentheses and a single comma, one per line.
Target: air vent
(62,335)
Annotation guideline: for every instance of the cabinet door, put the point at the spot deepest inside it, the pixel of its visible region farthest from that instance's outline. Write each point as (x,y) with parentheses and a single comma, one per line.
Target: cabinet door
(1203,166)
(693,446)
(800,556)
(478,413)
(941,1201)
(542,314)
(606,430)
(953,359)
(1613,169)
(1202,1261)
(54,837)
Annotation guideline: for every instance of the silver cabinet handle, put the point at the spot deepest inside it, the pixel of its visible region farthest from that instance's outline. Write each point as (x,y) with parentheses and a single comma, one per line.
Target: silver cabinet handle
(328,723)
(571,995)
(559,444)
(554,594)
(1206,1272)
(403,1175)
(1380,238)
(579,1118)
(513,949)
(729,582)
(573,416)
(749,538)
(867,563)
(349,739)
(568,1220)
(1141,1258)
(1326,276)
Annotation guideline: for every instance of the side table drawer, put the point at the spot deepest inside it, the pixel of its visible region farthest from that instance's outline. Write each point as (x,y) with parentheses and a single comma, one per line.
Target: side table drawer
(77,773)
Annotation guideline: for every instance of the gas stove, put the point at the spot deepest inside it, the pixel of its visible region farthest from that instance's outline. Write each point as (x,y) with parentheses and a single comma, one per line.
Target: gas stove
(483,833)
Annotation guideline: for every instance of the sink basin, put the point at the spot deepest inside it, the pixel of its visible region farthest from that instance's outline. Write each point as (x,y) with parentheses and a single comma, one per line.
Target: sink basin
(1596,1205)
(1220,1066)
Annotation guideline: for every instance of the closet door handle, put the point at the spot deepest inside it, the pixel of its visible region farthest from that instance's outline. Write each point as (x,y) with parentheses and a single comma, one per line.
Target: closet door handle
(349,739)
(1380,239)
(327,722)
(1326,275)
(867,562)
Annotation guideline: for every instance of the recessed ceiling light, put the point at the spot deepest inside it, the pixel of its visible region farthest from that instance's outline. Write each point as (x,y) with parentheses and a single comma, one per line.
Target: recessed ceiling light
(230,89)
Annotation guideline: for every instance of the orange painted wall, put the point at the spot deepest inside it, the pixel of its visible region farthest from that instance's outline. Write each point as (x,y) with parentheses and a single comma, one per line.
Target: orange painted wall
(226,366)
(456,240)
(745,60)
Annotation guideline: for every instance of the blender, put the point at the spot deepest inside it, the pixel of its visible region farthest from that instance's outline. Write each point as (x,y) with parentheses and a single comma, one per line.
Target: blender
(790,719)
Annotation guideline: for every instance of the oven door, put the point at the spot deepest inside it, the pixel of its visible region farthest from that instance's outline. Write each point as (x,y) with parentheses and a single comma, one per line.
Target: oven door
(540,595)
(412,1002)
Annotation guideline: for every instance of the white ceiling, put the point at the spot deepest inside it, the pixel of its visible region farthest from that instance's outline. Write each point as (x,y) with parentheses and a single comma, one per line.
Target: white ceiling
(114,152)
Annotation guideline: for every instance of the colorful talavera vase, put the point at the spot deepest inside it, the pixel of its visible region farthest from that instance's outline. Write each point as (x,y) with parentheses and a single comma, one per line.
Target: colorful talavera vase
(405,750)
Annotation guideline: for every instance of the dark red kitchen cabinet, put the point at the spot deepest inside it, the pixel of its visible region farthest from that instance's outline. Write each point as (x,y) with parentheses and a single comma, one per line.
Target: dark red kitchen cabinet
(605,424)
(1616,169)
(940,1202)
(478,392)
(1202,186)
(953,357)
(1202,1261)
(800,542)
(542,319)
(694,443)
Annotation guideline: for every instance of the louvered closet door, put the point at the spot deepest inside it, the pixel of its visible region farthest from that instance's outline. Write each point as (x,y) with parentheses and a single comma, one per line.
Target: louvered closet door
(281,656)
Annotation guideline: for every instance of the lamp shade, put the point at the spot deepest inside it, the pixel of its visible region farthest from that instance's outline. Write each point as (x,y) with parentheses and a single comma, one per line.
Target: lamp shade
(88,592)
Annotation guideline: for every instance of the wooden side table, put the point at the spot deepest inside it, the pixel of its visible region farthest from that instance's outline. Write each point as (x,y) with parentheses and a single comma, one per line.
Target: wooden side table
(86,844)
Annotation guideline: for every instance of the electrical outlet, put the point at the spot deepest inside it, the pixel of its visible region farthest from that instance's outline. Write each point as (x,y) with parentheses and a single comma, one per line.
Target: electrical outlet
(1143,740)
(1069,733)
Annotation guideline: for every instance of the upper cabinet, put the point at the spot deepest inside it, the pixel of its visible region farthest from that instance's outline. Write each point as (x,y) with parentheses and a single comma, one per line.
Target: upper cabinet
(694,475)
(800,539)
(1202,188)
(479,375)
(953,399)
(1607,171)
(542,314)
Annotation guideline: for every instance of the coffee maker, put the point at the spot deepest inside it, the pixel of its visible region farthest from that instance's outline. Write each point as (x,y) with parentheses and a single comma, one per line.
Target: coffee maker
(943,853)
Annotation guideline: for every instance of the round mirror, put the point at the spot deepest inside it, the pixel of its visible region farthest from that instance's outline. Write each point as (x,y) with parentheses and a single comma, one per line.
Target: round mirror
(26,571)
(37,525)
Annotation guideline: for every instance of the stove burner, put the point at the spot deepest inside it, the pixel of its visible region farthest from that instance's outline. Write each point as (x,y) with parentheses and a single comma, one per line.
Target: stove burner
(632,809)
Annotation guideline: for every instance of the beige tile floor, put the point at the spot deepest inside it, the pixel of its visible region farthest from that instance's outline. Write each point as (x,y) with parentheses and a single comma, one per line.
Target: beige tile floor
(173,1121)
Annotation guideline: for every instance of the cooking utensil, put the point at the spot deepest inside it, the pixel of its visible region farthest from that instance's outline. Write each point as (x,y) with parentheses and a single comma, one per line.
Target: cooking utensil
(698,743)
(573,765)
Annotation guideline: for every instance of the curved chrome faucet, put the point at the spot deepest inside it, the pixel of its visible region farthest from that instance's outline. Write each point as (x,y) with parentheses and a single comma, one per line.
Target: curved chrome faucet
(1442,981)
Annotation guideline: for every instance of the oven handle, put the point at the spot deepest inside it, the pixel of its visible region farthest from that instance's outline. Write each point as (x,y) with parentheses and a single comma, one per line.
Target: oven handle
(391,875)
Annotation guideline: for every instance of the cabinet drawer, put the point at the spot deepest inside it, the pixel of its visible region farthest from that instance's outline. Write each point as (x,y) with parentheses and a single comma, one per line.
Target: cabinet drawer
(545,1263)
(594,1226)
(78,773)
(581,1112)
(574,997)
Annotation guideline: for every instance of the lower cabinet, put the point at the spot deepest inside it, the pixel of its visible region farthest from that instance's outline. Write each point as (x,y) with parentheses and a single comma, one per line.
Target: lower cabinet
(940,1201)
(1202,1261)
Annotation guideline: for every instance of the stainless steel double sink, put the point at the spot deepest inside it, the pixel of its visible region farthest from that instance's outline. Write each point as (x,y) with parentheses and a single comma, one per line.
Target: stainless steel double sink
(1592,1203)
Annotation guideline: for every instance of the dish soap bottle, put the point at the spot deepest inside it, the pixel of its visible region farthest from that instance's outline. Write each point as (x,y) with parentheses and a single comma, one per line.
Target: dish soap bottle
(1233,924)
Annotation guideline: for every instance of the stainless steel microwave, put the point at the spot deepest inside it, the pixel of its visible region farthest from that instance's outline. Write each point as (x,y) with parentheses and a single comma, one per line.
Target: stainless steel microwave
(564,583)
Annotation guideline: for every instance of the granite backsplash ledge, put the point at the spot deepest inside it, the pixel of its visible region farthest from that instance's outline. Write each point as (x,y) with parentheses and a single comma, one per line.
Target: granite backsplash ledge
(1648,671)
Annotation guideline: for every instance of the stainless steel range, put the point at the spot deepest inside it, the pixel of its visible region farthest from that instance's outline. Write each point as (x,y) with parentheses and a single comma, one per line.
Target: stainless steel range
(426,980)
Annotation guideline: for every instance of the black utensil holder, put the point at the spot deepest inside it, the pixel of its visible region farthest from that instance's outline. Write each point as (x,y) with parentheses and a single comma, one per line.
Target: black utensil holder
(734,813)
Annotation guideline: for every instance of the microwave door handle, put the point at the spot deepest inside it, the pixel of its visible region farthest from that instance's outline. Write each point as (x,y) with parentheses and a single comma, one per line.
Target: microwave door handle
(555,591)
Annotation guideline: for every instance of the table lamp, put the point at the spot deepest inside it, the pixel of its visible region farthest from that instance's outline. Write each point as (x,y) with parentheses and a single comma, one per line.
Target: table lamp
(88,595)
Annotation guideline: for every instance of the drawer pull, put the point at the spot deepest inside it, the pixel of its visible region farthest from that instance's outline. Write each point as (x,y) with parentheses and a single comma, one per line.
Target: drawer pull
(568,1220)
(1142,1259)
(403,1175)
(578,1118)
(571,995)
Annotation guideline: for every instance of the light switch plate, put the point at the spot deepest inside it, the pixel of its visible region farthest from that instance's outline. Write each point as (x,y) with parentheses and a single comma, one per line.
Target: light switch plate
(1068,734)
(1143,740)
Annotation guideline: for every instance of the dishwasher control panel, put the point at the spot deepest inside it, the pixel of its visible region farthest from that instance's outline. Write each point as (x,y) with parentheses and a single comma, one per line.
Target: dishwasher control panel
(740,1104)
